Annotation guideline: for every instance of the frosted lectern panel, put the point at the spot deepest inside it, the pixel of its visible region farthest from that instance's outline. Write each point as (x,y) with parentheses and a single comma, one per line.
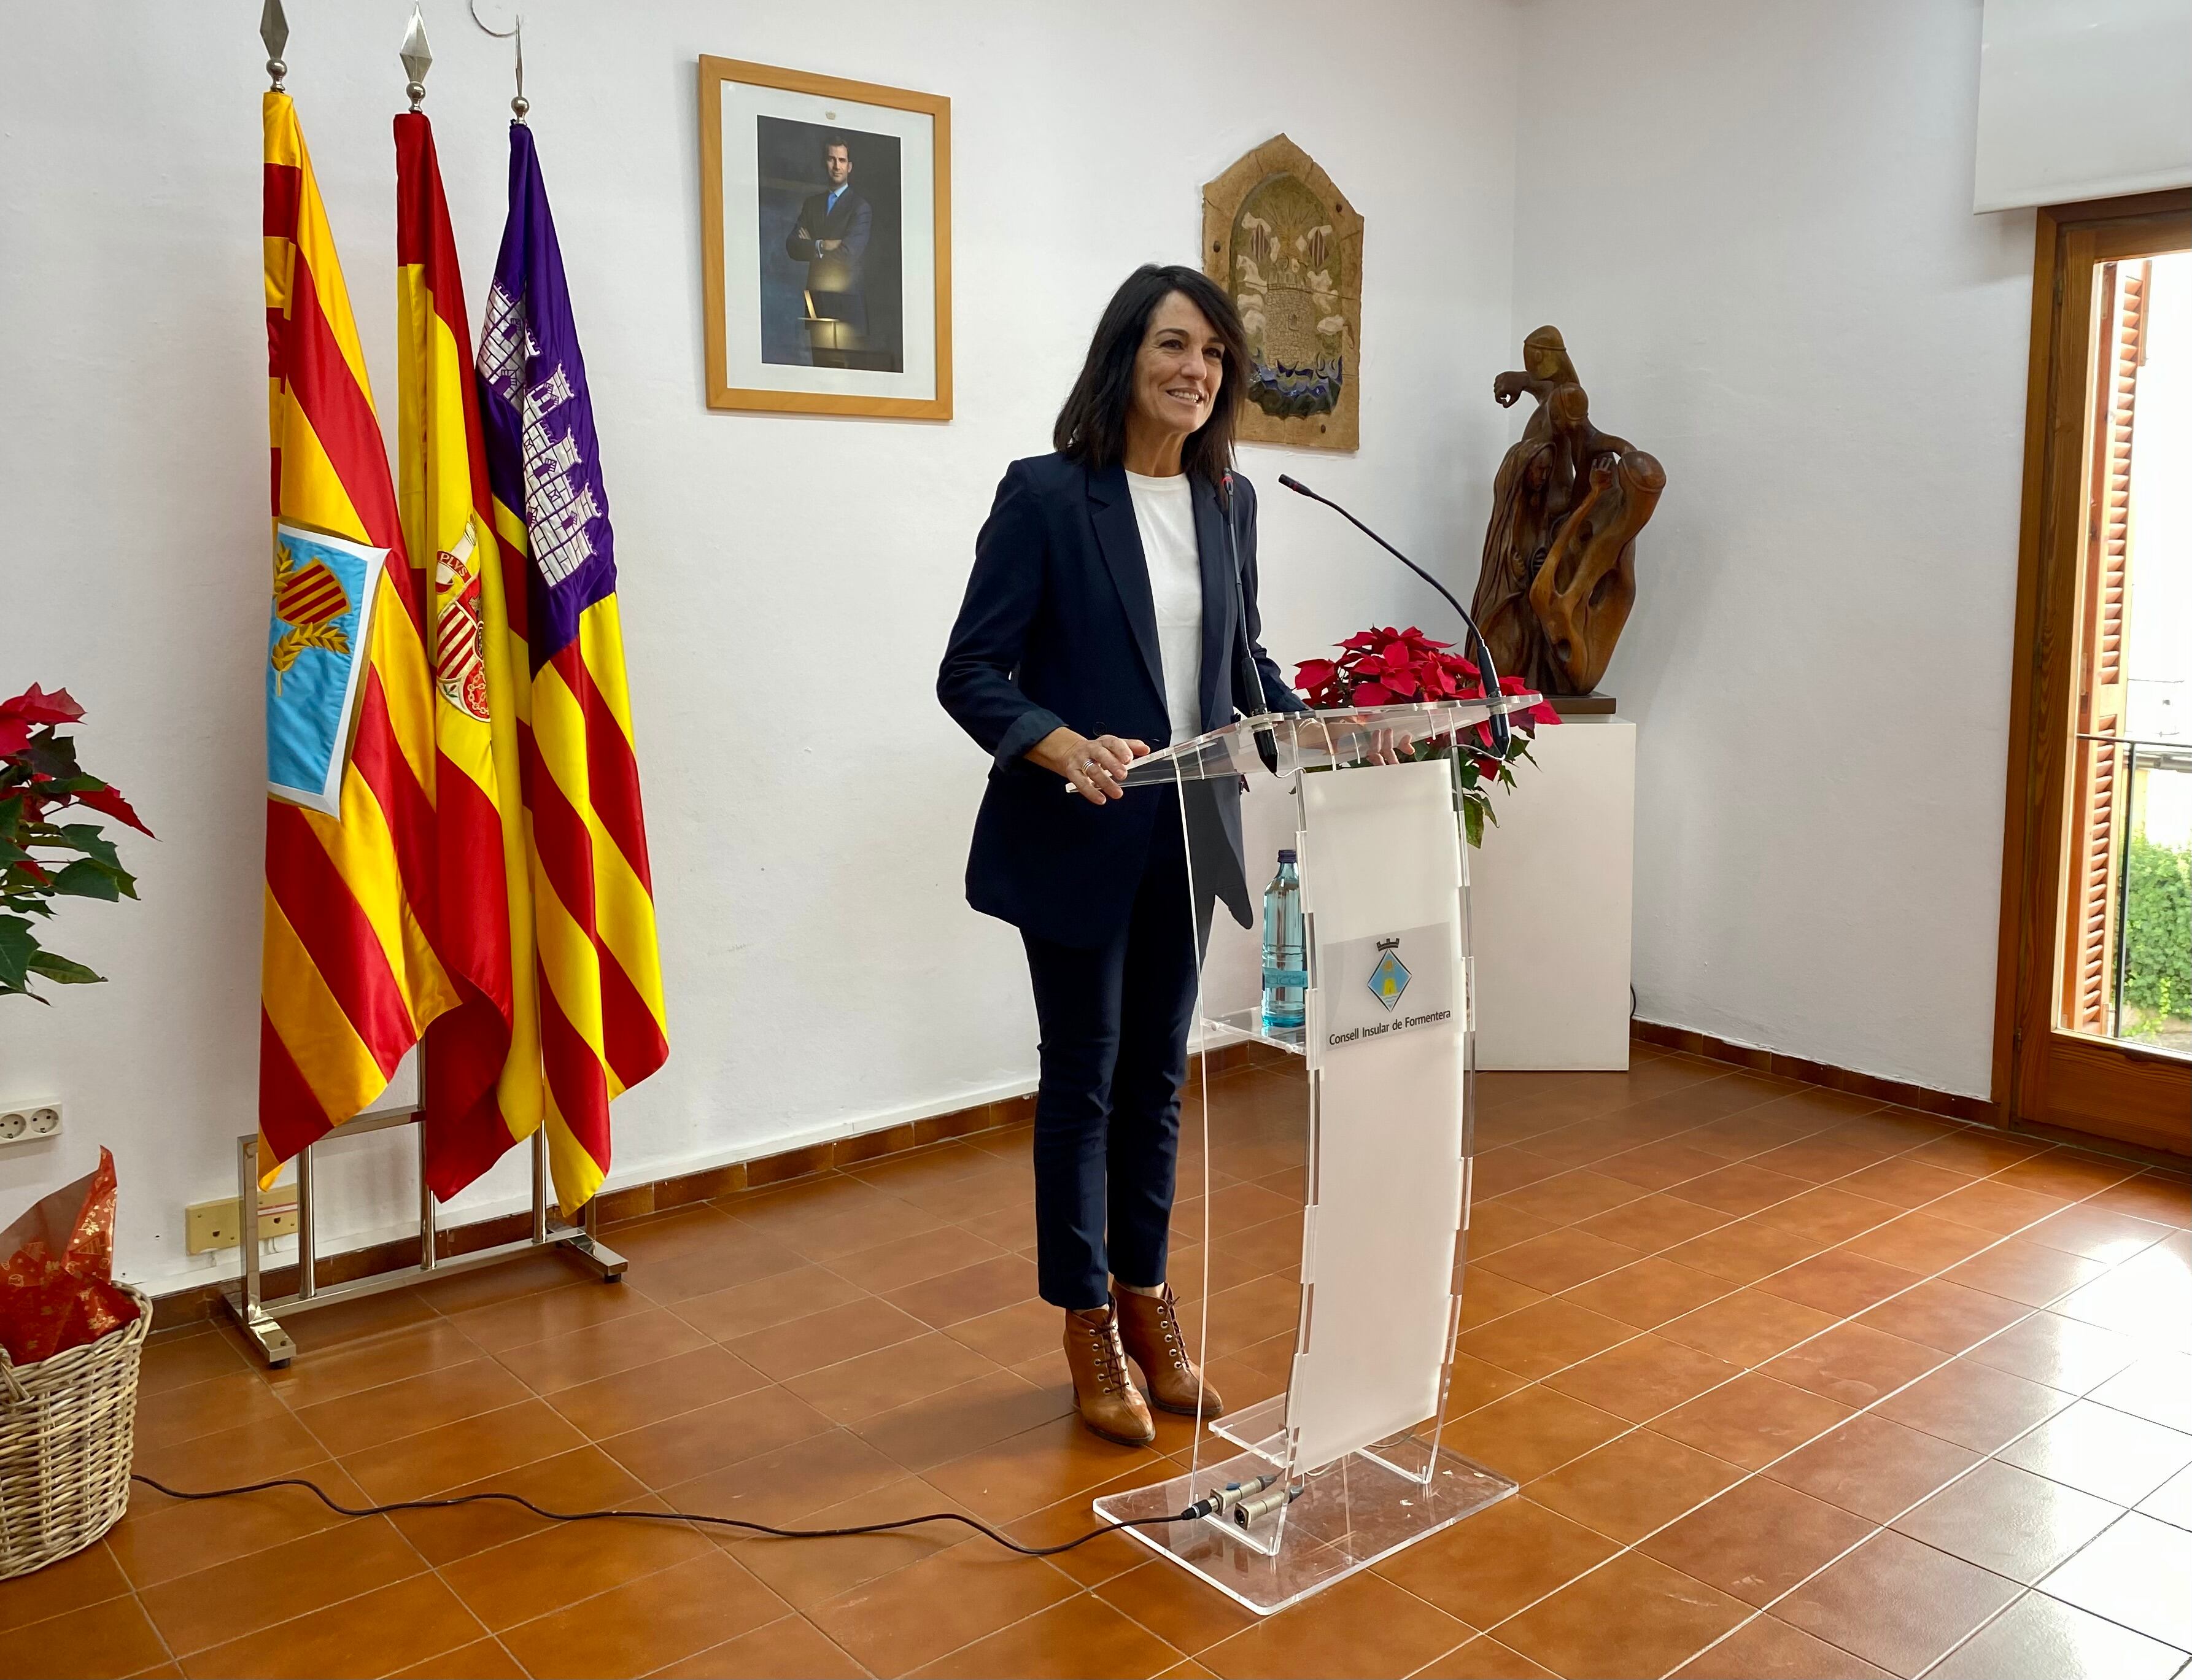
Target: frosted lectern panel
(1381,880)
(1314,741)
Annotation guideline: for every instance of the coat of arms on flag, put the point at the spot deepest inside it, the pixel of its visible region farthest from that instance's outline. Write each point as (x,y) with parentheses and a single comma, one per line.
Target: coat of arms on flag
(460,661)
(323,606)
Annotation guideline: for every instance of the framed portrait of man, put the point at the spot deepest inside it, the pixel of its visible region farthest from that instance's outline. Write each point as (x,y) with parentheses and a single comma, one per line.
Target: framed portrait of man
(825,214)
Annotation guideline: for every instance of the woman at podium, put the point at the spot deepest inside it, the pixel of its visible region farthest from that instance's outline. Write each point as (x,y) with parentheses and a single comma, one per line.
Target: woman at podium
(1113,609)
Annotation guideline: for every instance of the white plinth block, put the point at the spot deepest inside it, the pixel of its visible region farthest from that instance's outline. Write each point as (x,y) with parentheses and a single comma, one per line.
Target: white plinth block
(1549,900)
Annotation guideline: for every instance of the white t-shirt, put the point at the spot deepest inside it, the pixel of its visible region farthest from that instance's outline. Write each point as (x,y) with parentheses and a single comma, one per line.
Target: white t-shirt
(1164,514)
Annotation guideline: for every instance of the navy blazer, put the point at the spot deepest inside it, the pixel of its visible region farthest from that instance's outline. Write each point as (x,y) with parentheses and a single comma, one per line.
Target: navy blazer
(1060,627)
(849,224)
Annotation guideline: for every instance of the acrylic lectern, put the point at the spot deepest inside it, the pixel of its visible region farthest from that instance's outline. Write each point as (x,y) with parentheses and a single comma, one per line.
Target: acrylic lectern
(1345,1467)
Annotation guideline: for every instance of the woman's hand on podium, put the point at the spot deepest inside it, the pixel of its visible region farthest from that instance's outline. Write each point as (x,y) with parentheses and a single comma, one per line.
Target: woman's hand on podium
(1095,769)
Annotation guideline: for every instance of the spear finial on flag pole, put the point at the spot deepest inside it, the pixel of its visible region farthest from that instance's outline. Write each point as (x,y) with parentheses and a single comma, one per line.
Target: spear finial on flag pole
(521,105)
(418,58)
(274,31)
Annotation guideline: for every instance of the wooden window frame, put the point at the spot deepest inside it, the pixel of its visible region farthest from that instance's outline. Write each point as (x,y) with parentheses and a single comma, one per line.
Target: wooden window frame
(2041,1074)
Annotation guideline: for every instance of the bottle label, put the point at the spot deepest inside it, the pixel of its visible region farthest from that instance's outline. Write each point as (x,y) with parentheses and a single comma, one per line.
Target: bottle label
(1276,977)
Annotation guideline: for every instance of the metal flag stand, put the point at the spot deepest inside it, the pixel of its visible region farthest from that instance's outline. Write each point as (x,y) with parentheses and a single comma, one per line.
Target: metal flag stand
(260,1319)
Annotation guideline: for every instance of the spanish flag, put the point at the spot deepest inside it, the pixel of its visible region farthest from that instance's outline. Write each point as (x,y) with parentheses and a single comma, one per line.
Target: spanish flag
(483,1058)
(348,973)
(603,1029)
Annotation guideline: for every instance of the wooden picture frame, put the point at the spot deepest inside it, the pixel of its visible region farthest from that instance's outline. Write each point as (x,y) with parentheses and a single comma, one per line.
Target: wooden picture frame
(850,317)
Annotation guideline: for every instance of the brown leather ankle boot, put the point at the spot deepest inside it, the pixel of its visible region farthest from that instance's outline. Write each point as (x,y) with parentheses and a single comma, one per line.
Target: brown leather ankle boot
(1149,1328)
(1110,1403)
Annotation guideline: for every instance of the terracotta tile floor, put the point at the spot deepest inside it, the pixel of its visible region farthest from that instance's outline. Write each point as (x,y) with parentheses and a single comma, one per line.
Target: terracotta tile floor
(1795,1384)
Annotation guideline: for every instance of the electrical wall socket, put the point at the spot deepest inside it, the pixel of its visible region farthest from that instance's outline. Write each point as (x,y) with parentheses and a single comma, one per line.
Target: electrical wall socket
(27,1122)
(213,1224)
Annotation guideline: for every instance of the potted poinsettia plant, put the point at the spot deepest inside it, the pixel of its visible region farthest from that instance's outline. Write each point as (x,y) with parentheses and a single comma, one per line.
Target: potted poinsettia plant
(42,859)
(1396,667)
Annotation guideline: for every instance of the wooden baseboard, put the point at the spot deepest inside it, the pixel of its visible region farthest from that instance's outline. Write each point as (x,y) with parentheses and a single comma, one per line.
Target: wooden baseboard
(203,1301)
(1974,1110)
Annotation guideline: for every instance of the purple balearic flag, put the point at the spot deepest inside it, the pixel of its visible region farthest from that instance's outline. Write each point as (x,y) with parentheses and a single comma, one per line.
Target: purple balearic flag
(543,460)
(598,973)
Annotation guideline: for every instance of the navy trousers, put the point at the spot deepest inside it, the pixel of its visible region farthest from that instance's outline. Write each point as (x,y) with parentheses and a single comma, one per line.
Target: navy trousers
(1114,1022)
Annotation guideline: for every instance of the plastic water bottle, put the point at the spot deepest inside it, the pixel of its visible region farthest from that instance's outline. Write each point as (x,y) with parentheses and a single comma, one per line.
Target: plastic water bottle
(1286,962)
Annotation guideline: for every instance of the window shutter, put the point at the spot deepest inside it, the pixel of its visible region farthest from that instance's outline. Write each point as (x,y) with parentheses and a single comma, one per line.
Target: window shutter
(2099,804)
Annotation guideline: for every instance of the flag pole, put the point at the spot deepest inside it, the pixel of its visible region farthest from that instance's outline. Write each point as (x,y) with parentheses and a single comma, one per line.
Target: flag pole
(418,58)
(274,31)
(521,105)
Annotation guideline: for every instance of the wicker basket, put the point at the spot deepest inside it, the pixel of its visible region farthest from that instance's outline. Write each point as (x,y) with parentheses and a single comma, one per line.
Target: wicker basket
(66,1428)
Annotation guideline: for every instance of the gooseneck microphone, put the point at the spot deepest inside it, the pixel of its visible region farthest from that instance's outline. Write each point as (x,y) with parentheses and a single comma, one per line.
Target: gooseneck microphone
(1501,734)
(1248,680)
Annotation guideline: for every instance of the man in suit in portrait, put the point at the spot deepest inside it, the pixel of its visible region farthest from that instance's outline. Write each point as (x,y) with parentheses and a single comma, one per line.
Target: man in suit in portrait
(831,238)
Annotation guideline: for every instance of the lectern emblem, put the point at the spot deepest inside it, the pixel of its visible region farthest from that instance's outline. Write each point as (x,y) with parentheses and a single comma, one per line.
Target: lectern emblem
(1389,979)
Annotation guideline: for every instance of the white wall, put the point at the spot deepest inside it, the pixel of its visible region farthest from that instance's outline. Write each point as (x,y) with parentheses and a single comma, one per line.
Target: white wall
(2079,100)
(1753,224)
(787,582)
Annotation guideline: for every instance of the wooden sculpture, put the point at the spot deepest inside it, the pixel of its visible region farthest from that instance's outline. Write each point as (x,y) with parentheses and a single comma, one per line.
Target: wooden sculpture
(1559,576)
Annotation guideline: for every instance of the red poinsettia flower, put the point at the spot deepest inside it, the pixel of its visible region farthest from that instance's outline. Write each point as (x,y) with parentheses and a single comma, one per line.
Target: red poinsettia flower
(1542,712)
(33,709)
(37,705)
(41,777)
(109,802)
(1313,674)
(21,718)
(1385,666)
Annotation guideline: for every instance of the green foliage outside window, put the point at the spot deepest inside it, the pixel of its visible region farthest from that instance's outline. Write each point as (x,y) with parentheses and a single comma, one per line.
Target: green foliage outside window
(2157,932)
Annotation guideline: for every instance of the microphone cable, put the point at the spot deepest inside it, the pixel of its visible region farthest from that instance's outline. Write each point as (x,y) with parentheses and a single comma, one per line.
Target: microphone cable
(1203,1507)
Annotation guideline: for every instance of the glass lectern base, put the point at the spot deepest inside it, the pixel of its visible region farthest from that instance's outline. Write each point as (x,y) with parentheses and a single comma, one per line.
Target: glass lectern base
(1353,1513)
(1261,1428)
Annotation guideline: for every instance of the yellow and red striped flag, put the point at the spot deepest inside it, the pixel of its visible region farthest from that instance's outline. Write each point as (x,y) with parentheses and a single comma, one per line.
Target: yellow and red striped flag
(348,973)
(482,1060)
(603,1027)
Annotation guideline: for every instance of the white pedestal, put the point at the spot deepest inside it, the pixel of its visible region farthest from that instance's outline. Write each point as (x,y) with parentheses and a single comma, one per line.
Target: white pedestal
(1549,900)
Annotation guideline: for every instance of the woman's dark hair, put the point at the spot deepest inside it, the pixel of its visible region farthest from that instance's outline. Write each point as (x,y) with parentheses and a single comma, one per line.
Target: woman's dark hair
(1092,427)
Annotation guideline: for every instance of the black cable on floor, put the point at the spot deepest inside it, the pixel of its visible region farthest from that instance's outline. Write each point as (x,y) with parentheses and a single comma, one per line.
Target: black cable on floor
(1201,1509)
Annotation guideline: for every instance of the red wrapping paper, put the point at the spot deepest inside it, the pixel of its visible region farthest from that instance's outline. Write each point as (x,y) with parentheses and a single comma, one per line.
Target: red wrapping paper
(57,1291)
